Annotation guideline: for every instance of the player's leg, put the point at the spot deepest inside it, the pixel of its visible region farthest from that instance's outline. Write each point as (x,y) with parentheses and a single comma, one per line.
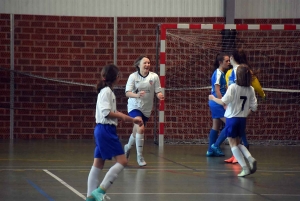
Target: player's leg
(244,139)
(239,156)
(139,141)
(217,112)
(112,174)
(93,178)
(110,147)
(216,145)
(252,161)
(130,143)
(234,128)
(213,135)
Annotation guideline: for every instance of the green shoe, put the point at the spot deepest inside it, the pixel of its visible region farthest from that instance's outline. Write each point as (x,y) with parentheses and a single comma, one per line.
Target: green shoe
(90,199)
(99,195)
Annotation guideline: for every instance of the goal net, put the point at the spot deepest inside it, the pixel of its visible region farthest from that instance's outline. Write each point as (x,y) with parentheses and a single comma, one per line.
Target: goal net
(187,54)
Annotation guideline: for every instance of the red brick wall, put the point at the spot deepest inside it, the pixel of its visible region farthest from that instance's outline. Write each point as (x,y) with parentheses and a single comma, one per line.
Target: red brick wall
(75,49)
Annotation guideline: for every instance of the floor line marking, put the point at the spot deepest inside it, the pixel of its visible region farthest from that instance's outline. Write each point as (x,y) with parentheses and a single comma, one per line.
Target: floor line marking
(39,190)
(65,184)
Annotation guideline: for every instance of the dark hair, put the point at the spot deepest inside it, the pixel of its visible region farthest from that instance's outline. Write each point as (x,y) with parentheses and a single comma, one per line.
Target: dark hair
(243,76)
(138,60)
(219,58)
(240,56)
(109,75)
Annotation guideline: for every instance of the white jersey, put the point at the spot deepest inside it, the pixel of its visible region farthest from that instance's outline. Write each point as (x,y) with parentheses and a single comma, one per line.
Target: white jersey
(239,100)
(150,84)
(106,102)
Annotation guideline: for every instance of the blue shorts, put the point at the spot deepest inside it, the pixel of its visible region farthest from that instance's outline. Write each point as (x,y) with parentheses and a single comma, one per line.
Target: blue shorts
(137,113)
(217,111)
(235,126)
(107,142)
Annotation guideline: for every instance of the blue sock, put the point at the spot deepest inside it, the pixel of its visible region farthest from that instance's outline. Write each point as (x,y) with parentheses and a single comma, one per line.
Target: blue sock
(244,139)
(221,138)
(213,134)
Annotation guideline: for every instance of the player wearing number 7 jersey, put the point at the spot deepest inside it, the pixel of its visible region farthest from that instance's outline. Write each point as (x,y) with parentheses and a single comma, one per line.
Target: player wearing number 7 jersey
(240,100)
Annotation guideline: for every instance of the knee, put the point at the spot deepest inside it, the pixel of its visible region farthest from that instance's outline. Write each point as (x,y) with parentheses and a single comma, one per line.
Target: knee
(141,130)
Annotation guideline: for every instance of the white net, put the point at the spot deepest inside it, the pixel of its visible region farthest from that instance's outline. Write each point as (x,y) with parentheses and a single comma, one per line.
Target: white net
(190,54)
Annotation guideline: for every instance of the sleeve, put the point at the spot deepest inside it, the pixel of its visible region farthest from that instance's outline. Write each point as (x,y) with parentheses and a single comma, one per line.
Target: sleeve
(253,101)
(157,84)
(227,76)
(130,85)
(105,103)
(228,97)
(257,87)
(218,78)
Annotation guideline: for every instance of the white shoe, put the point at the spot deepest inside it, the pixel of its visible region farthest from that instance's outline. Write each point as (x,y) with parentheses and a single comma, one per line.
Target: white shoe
(252,163)
(141,161)
(244,172)
(127,151)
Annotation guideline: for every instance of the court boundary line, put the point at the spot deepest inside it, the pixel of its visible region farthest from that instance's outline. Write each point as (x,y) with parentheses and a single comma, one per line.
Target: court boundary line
(65,184)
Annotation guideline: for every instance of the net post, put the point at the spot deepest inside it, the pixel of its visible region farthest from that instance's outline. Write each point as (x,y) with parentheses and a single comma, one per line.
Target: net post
(12,78)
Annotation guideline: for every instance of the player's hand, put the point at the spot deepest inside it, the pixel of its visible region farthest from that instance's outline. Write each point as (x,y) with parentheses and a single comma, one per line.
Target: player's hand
(160,96)
(138,121)
(211,97)
(141,94)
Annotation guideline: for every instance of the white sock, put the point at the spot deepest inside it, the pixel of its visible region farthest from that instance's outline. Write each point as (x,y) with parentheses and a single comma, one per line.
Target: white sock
(131,141)
(111,176)
(139,140)
(244,150)
(93,180)
(239,156)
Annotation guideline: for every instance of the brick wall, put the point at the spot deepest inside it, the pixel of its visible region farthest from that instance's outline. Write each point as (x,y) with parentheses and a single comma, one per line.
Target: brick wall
(74,49)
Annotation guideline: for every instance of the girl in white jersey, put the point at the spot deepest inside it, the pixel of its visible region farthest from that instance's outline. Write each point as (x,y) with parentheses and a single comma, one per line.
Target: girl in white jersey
(240,100)
(140,89)
(106,139)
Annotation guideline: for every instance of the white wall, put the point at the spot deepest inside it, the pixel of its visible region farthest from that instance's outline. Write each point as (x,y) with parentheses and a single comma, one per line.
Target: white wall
(267,9)
(119,8)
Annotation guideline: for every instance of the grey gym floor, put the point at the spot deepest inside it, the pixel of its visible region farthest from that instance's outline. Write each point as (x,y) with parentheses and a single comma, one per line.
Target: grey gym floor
(57,170)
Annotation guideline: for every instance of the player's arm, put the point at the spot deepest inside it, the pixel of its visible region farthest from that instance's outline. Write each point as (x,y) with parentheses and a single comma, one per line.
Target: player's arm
(257,87)
(157,88)
(253,101)
(218,91)
(217,100)
(125,118)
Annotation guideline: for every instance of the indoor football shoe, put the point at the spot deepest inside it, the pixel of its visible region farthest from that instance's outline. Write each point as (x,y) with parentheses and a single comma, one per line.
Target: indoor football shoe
(252,163)
(99,195)
(90,199)
(234,160)
(217,151)
(244,172)
(210,154)
(141,161)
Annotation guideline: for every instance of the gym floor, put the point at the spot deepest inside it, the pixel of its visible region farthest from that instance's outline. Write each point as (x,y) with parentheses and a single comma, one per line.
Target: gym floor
(57,170)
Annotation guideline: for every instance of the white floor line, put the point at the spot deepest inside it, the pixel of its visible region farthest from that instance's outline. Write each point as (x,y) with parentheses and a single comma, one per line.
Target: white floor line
(65,184)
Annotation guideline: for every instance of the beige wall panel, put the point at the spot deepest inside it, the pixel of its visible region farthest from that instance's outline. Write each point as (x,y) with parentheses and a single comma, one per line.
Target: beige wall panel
(120,8)
(267,9)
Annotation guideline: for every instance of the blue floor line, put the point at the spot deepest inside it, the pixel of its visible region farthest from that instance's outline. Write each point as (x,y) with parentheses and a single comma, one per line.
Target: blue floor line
(40,190)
